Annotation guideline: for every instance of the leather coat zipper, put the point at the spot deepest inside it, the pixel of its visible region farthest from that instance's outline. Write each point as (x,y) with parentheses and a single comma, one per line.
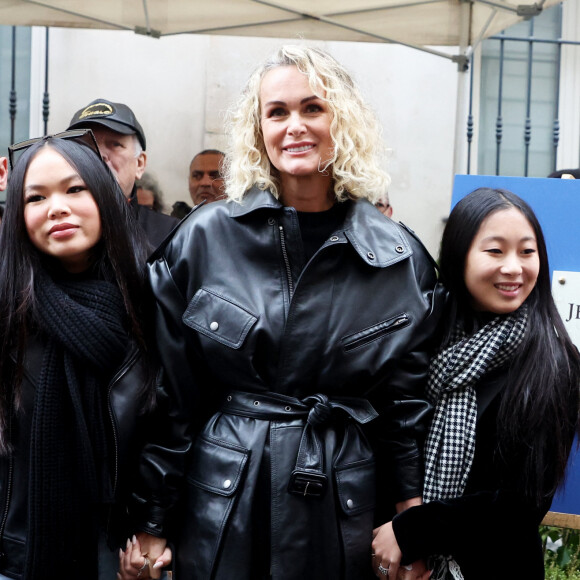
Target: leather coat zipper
(286,262)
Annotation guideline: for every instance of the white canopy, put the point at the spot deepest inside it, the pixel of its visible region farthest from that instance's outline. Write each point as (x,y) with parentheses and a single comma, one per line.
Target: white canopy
(417,23)
(421,24)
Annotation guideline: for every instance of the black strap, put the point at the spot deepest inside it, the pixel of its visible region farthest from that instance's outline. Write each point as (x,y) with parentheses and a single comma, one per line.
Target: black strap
(308,477)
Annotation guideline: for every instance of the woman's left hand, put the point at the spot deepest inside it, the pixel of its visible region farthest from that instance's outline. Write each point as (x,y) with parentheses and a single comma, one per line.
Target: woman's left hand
(134,564)
(126,569)
(386,552)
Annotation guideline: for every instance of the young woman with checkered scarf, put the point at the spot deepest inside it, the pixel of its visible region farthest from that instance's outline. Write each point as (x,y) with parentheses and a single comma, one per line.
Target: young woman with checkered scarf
(505,390)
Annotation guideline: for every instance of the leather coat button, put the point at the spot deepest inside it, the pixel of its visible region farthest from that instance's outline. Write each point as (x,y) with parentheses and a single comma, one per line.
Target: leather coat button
(349,503)
(399,249)
(227,483)
(371,255)
(214,325)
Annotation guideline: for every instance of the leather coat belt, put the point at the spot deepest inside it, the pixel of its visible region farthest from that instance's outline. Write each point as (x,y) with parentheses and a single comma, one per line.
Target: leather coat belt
(308,478)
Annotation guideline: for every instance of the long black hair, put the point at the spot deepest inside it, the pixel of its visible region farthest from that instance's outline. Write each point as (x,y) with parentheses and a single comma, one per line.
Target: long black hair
(538,415)
(119,257)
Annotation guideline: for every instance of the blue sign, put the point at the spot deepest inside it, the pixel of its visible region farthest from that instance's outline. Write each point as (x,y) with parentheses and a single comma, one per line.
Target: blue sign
(556,203)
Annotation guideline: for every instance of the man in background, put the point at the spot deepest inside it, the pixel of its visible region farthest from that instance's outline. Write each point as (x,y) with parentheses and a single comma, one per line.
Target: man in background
(384,206)
(566,174)
(205,176)
(122,144)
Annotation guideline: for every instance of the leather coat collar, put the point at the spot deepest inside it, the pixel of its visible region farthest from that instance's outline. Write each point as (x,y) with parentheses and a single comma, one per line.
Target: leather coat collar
(376,239)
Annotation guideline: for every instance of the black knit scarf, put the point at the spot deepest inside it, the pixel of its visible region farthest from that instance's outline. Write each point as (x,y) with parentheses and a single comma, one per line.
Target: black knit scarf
(83,320)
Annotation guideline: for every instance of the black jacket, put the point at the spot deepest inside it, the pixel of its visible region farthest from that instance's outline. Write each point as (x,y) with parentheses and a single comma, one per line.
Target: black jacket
(156,225)
(252,336)
(125,402)
(491,531)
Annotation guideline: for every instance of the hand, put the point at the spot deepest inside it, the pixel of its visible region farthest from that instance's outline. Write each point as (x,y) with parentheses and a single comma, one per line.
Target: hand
(143,557)
(386,552)
(416,571)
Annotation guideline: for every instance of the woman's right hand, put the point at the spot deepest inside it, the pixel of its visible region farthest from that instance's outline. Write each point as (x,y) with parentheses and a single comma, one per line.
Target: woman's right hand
(387,558)
(415,571)
(386,552)
(144,557)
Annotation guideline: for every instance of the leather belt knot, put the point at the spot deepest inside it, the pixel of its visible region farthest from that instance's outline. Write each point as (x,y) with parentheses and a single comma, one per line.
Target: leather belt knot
(320,412)
(308,478)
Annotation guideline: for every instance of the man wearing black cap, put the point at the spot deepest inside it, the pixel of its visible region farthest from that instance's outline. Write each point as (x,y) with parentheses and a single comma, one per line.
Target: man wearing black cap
(122,144)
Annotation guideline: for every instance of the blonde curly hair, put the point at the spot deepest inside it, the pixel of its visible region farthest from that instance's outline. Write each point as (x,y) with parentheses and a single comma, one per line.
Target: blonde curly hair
(354,129)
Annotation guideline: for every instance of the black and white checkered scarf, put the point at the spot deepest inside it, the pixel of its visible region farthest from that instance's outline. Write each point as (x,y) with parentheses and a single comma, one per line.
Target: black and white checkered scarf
(453,374)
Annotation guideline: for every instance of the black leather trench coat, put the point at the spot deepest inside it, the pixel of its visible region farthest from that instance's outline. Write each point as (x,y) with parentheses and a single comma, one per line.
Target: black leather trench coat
(295,390)
(124,406)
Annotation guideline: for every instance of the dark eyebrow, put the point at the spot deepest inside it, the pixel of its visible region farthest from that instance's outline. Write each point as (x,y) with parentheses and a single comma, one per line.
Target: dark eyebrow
(62,182)
(312,98)
(502,239)
(304,100)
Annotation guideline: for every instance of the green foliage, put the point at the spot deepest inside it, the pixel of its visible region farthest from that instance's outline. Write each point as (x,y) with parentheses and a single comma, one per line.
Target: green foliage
(562,561)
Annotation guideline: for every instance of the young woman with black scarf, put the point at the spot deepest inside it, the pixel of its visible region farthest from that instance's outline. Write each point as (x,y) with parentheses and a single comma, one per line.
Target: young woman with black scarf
(74,384)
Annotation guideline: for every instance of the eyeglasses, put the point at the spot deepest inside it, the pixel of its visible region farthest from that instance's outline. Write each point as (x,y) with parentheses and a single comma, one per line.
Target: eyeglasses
(85,136)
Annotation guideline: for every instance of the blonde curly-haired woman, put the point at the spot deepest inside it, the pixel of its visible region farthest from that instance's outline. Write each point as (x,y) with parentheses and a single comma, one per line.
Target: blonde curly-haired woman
(294,323)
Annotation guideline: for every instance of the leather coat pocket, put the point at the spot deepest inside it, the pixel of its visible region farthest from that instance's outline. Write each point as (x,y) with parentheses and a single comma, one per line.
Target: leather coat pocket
(355,484)
(214,477)
(219,318)
(14,556)
(375,332)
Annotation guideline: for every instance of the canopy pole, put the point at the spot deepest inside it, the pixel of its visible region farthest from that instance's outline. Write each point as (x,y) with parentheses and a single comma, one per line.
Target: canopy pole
(13,100)
(460,149)
(46,96)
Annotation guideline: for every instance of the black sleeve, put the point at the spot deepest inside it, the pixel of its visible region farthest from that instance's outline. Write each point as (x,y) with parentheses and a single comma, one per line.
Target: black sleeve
(400,431)
(459,525)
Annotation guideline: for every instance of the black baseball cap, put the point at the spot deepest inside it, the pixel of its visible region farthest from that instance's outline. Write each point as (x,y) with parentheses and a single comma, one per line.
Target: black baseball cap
(115,116)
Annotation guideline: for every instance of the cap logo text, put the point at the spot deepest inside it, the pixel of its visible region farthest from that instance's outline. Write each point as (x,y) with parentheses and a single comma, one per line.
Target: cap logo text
(97,109)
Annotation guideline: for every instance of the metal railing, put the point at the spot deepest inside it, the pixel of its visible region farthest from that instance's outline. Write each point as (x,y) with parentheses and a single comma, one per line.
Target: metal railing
(13,94)
(527,99)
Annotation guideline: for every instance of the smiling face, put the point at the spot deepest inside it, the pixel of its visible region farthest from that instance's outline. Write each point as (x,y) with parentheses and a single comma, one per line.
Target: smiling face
(60,214)
(502,265)
(295,124)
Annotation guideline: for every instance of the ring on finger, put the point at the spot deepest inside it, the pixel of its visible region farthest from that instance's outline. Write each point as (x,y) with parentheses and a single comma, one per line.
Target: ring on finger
(145,565)
(384,571)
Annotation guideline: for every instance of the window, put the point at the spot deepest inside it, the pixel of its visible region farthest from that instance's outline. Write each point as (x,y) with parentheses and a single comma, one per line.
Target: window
(515,92)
